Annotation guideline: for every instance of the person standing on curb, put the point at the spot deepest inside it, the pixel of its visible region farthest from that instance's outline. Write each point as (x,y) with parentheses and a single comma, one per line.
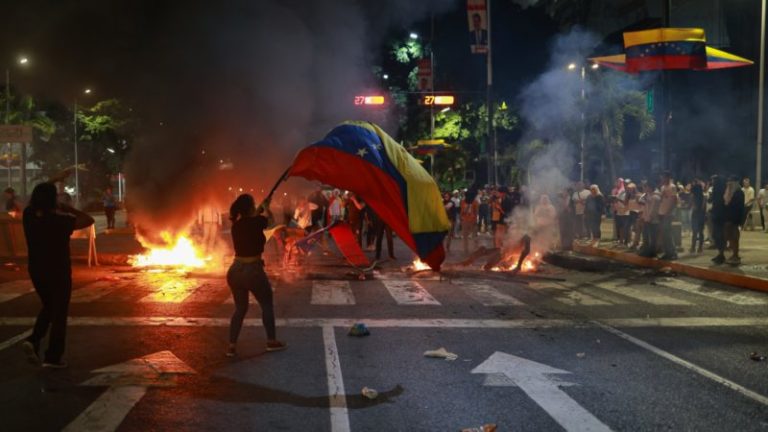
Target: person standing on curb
(698,217)
(734,217)
(48,226)
(667,209)
(718,217)
(749,202)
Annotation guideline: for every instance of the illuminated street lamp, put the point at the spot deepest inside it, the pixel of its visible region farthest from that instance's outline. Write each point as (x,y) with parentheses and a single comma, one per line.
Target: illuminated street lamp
(86,92)
(413,35)
(571,66)
(23,61)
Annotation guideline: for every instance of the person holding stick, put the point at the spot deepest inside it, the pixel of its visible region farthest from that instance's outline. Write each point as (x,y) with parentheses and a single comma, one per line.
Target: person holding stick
(246,274)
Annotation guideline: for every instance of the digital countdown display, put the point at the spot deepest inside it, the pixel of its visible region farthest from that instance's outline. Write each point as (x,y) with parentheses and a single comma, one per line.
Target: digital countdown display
(439,100)
(369,100)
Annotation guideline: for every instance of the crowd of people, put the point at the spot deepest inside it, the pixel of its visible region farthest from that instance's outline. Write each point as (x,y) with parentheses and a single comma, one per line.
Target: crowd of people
(648,216)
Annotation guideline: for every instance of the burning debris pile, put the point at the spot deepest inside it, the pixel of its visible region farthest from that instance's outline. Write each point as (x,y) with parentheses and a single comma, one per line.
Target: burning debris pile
(178,252)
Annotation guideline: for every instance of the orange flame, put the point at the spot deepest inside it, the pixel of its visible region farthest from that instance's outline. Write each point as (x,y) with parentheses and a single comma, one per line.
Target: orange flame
(419,265)
(178,252)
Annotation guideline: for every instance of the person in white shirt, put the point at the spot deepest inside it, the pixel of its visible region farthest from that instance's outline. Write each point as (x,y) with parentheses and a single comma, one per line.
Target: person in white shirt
(667,208)
(762,202)
(209,220)
(749,203)
(579,202)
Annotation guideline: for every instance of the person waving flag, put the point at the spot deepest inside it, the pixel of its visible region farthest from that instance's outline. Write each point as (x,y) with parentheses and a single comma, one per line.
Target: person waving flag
(362,158)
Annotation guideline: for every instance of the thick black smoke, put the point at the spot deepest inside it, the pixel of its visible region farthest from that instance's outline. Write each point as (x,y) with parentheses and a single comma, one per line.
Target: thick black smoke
(250,83)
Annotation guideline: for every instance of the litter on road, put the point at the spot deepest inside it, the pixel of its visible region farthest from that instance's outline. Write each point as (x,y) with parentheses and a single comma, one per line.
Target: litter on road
(441,353)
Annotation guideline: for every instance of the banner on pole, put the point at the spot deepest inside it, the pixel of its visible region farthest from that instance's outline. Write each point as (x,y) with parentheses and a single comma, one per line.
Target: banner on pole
(477,14)
(425,75)
(15,134)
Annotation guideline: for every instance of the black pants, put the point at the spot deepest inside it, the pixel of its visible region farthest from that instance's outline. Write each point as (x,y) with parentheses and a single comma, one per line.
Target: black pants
(593,222)
(54,293)
(650,237)
(109,212)
(698,220)
(381,229)
(718,235)
(250,278)
(667,242)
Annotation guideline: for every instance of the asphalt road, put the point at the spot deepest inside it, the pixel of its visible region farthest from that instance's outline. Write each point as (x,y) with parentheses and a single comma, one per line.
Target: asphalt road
(614,350)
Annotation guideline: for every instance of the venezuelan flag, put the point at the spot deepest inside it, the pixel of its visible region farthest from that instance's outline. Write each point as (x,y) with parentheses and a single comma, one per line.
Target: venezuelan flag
(362,158)
(665,48)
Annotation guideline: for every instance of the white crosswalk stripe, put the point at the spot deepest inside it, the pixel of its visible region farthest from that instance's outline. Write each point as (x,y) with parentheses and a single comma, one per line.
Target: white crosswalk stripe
(13,289)
(487,295)
(96,290)
(645,294)
(406,292)
(332,292)
(739,298)
(567,294)
(171,291)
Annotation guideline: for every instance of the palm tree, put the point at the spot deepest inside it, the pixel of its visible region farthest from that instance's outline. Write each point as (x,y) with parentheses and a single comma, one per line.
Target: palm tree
(614,100)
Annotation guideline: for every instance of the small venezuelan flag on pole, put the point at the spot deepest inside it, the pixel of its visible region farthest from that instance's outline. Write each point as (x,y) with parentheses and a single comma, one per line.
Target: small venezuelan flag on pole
(362,158)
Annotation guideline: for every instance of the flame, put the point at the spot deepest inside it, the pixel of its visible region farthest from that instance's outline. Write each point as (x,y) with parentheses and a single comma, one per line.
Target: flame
(419,265)
(178,252)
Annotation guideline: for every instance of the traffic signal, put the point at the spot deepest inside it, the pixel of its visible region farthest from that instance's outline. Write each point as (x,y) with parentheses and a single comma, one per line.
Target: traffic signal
(369,100)
(440,100)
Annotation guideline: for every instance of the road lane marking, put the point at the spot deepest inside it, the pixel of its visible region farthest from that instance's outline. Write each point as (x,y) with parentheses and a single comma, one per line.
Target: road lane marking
(409,293)
(96,290)
(686,364)
(171,291)
(644,294)
(567,294)
(127,383)
(176,321)
(336,393)
(329,292)
(12,341)
(13,289)
(739,298)
(536,381)
(487,295)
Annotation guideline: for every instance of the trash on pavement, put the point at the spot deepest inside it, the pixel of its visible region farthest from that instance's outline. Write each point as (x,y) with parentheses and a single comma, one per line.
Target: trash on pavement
(484,428)
(756,357)
(581,355)
(370,393)
(359,330)
(109,278)
(441,353)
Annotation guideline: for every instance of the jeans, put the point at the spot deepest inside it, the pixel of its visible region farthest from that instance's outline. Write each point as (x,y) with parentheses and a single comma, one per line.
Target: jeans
(698,220)
(250,278)
(55,293)
(732,235)
(382,229)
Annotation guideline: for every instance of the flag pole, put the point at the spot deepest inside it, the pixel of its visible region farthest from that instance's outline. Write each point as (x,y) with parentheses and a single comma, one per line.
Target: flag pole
(491,145)
(760,102)
(274,188)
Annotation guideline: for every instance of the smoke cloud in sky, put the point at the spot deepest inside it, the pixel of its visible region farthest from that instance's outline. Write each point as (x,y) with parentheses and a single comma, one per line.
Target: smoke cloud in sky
(262,80)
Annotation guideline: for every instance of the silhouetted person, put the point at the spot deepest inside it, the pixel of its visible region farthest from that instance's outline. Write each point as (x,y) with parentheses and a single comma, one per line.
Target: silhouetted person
(246,274)
(47,227)
(110,207)
(12,204)
(718,217)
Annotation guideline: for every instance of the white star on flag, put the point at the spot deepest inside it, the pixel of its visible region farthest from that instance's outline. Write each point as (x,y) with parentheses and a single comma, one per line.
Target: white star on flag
(362,152)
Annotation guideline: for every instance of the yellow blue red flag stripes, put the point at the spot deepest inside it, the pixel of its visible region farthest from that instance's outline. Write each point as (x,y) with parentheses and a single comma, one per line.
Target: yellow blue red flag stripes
(362,158)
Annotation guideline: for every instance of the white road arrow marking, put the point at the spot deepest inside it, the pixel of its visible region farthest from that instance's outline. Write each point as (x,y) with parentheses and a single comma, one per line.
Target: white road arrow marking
(533,379)
(128,383)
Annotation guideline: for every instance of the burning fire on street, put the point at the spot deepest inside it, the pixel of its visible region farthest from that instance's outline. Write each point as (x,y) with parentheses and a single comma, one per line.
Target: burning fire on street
(177,252)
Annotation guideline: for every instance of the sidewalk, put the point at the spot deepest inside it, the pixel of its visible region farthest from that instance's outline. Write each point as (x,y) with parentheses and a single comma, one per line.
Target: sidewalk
(751,274)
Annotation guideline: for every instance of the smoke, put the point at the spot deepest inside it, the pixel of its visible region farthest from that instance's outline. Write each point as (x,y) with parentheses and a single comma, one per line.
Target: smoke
(249,84)
(525,3)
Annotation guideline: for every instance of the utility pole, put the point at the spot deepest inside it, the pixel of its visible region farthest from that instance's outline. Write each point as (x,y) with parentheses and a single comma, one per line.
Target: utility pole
(77,170)
(583,120)
(7,117)
(489,105)
(665,99)
(760,102)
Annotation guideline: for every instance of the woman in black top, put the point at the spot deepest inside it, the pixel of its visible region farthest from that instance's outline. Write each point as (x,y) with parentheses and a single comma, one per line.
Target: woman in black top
(47,228)
(247,271)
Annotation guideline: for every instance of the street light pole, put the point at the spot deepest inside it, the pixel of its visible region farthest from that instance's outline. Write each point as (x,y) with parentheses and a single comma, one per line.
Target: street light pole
(583,120)
(77,170)
(7,118)
(489,67)
(760,102)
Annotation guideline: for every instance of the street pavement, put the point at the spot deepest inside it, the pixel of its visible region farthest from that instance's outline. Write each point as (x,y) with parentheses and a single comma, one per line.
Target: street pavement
(619,349)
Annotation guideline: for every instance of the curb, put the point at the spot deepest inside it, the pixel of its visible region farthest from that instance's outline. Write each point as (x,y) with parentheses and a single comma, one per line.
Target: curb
(739,280)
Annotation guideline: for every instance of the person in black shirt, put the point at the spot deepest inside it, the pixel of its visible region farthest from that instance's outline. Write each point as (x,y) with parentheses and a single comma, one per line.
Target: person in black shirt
(47,228)
(247,271)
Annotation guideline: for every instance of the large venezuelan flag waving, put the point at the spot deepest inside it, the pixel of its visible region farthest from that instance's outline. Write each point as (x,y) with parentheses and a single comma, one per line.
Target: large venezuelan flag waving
(362,158)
